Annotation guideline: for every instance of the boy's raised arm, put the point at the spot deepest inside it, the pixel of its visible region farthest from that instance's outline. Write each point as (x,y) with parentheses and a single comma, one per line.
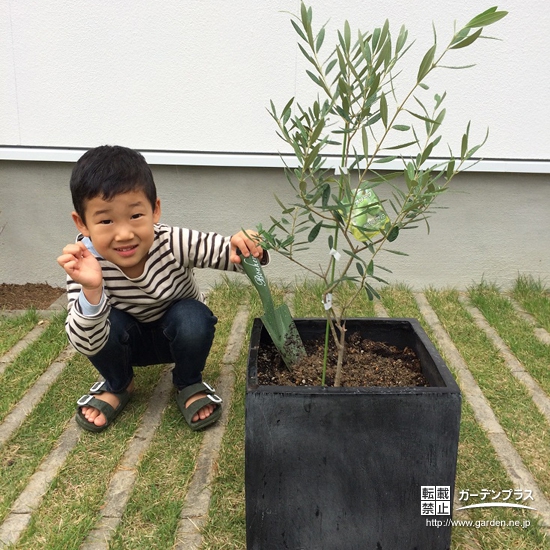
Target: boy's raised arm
(83,268)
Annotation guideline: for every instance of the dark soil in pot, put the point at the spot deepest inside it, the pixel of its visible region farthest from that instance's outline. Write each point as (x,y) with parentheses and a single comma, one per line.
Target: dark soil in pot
(367,364)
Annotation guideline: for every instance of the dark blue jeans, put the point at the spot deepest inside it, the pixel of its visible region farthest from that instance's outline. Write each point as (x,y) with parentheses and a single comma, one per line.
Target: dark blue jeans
(183,336)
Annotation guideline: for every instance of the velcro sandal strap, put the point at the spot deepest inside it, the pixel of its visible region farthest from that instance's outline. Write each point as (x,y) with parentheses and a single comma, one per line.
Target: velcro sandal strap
(214,398)
(84,400)
(98,387)
(201,387)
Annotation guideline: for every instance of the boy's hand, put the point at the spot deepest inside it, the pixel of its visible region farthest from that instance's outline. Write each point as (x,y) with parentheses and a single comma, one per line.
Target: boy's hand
(247,242)
(81,265)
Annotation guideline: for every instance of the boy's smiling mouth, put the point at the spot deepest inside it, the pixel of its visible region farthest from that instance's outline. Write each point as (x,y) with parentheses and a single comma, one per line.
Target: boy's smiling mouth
(126,250)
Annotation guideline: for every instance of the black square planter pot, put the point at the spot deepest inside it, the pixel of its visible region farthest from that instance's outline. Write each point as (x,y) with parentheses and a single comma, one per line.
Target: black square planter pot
(343,468)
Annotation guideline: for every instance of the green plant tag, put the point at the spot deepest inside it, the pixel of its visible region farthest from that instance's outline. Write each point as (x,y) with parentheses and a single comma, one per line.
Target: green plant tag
(368,216)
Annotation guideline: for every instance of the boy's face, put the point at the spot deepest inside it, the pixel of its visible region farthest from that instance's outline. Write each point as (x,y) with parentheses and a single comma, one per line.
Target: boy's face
(121,229)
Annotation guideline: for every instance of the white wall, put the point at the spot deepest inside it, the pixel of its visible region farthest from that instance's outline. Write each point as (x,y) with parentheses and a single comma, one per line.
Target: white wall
(195,75)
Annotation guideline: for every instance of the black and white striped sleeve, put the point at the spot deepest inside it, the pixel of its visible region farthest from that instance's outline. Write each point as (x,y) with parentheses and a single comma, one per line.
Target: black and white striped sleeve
(198,249)
(87,329)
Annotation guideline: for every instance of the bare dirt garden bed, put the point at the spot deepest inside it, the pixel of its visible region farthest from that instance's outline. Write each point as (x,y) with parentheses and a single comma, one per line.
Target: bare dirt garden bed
(29,295)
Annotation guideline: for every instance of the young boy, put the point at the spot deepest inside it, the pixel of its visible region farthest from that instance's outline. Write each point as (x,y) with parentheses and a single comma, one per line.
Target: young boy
(133,299)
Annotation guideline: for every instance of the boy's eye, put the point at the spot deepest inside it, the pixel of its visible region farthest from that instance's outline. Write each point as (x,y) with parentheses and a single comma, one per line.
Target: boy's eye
(136,216)
(105,222)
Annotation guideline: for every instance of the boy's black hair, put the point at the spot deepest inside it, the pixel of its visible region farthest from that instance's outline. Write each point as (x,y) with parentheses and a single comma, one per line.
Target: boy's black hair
(107,171)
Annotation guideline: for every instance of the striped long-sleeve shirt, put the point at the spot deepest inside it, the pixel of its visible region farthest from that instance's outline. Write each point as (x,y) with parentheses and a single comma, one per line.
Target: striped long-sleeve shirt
(168,276)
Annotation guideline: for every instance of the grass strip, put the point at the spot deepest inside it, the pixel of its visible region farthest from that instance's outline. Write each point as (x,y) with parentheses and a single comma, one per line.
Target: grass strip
(361,307)
(226,526)
(224,300)
(71,506)
(308,300)
(152,515)
(512,405)
(399,301)
(27,367)
(478,465)
(534,298)
(516,332)
(12,329)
